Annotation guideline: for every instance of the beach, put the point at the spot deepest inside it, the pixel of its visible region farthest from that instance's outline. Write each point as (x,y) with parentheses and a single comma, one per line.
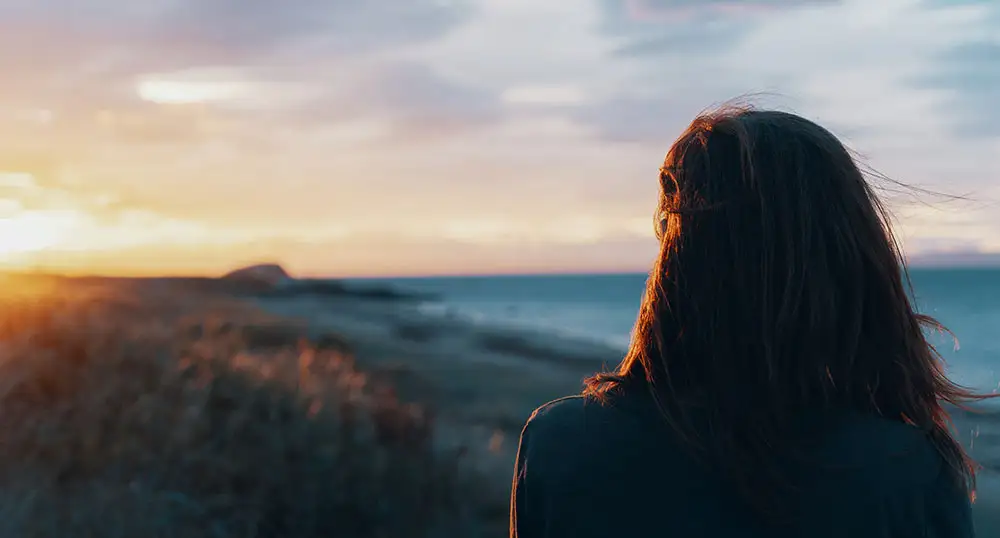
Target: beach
(480,381)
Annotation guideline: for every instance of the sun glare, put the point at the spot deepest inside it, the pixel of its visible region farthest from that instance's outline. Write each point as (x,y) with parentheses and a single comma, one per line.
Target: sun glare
(31,232)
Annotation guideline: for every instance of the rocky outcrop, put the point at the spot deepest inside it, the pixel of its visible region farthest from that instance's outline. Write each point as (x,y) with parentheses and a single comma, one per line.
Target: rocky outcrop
(262,277)
(271,280)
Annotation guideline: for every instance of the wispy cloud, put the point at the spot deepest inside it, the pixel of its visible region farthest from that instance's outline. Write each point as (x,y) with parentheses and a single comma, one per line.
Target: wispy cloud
(463,133)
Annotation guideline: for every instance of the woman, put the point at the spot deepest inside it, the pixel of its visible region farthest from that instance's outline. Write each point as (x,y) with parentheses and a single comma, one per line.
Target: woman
(778,383)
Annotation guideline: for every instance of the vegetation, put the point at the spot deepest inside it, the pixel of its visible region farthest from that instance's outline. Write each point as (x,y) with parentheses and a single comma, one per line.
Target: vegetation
(124,420)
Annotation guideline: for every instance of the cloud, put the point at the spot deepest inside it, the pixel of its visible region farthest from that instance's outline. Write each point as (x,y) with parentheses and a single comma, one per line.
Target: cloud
(510,44)
(692,40)
(417,100)
(175,34)
(545,95)
(266,54)
(314,92)
(797,51)
(688,27)
(970,73)
(324,119)
(649,9)
(345,26)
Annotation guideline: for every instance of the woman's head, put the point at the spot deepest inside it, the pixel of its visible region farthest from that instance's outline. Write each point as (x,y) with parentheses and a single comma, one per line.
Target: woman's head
(779,291)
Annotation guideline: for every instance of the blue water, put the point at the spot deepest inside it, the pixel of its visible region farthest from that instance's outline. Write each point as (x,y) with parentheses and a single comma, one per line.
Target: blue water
(603,308)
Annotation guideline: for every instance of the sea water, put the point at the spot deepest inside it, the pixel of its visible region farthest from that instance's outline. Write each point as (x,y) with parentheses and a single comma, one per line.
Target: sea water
(603,308)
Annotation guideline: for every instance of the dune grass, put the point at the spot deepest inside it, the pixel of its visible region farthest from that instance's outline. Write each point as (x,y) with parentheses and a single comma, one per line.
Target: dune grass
(121,419)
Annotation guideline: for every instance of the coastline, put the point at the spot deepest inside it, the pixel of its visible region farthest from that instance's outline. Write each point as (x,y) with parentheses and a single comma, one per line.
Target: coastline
(486,376)
(480,381)
(485,379)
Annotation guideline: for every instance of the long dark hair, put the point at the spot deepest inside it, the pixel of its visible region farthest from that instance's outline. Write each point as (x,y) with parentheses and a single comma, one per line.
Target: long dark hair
(779,291)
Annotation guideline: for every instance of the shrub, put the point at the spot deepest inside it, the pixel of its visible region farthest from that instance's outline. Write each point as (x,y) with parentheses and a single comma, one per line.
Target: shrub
(132,426)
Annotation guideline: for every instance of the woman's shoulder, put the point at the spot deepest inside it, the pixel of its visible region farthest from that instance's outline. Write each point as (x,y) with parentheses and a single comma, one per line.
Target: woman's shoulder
(561,409)
(585,424)
(582,411)
(562,415)
(569,436)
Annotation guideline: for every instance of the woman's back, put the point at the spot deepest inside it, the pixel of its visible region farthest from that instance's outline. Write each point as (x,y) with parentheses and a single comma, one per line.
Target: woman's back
(609,468)
(778,382)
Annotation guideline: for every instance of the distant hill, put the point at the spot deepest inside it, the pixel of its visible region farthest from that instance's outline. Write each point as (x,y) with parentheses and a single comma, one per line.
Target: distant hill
(955,259)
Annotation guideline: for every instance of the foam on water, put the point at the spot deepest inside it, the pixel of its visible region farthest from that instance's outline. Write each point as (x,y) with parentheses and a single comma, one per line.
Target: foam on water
(512,318)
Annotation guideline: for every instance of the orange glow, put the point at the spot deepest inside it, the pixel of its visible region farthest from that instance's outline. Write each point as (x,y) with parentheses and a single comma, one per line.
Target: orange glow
(32,232)
(185,156)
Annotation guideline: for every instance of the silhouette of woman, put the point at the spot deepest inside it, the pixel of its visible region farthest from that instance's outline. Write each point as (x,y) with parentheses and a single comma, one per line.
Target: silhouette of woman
(778,382)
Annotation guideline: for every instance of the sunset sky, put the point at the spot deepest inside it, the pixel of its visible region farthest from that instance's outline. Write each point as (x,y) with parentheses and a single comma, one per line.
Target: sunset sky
(386,137)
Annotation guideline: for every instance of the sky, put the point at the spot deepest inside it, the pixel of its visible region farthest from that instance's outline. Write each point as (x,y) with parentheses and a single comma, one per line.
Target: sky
(413,137)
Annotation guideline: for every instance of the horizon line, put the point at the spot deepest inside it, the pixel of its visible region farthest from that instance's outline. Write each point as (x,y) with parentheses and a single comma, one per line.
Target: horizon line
(536,274)
(924,265)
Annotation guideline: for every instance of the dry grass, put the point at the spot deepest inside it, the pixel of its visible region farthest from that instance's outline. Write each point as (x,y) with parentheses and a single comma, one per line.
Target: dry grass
(123,421)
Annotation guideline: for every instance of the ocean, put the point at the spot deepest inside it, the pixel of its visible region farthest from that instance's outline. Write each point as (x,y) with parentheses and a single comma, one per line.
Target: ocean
(602,308)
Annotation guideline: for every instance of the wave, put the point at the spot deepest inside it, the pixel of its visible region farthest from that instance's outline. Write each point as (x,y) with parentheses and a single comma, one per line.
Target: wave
(522,324)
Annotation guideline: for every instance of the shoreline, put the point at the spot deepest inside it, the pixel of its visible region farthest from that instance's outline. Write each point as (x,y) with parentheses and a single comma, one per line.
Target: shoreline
(480,381)
(488,378)
(397,332)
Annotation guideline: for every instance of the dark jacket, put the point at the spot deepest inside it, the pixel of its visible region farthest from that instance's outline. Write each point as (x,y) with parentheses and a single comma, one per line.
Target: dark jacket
(589,469)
